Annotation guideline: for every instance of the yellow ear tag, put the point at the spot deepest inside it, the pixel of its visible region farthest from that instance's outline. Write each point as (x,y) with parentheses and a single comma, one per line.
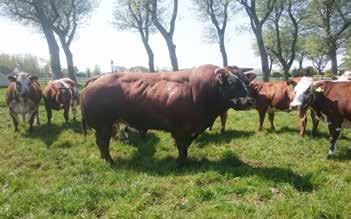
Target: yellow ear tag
(319,89)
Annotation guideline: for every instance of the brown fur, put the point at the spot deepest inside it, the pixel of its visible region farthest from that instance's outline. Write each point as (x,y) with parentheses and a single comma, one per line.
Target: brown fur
(57,97)
(182,103)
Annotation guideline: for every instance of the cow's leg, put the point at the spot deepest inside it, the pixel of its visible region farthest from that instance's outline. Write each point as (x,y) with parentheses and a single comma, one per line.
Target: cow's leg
(115,127)
(182,146)
(271,119)
(315,122)
(103,136)
(224,116)
(31,120)
(303,122)
(66,113)
(37,115)
(48,113)
(24,117)
(15,120)
(334,133)
(126,134)
(74,109)
(262,115)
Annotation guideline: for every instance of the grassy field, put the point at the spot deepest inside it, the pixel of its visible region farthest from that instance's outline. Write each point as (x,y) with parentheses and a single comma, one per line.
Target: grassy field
(53,172)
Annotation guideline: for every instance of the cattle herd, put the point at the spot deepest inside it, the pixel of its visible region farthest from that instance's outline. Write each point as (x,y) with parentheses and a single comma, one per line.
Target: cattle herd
(184,103)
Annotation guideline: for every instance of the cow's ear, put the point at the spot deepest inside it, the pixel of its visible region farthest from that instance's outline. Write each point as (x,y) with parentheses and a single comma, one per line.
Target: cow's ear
(12,78)
(33,78)
(221,75)
(251,76)
(291,82)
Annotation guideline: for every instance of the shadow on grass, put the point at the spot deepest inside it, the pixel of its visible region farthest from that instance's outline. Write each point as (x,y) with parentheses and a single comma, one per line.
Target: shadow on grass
(230,165)
(145,145)
(225,137)
(344,155)
(49,133)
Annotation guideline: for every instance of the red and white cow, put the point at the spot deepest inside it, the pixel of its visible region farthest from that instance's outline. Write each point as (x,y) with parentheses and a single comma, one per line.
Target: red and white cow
(23,97)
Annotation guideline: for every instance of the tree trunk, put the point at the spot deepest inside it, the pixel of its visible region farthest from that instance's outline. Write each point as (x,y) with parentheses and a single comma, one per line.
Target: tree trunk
(270,66)
(54,51)
(223,51)
(286,73)
(70,66)
(69,60)
(300,62)
(149,51)
(172,54)
(333,58)
(263,54)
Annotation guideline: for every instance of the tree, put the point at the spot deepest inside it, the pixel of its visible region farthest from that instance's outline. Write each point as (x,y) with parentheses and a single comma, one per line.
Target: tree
(133,15)
(317,51)
(157,12)
(331,19)
(70,14)
(27,63)
(217,12)
(39,14)
(96,70)
(258,12)
(283,31)
(347,55)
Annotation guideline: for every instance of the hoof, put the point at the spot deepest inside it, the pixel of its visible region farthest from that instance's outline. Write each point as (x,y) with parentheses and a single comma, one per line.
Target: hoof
(330,156)
(222,131)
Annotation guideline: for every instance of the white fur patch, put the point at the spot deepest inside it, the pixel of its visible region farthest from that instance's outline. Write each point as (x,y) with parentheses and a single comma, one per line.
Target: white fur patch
(299,89)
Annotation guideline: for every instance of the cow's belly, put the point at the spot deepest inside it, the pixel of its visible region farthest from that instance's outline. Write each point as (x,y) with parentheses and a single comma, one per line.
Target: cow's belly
(22,107)
(271,109)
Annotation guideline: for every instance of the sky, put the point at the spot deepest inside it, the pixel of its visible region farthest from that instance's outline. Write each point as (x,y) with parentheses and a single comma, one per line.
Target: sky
(97,43)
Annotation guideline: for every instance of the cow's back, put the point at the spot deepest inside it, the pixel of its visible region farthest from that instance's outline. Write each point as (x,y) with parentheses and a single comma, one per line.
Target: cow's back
(338,96)
(153,98)
(278,94)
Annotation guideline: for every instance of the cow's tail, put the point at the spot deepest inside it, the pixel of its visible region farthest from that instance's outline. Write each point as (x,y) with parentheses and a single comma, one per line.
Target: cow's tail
(84,118)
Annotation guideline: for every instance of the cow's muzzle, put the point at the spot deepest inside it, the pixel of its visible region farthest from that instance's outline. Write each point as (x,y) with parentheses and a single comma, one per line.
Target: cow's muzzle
(243,103)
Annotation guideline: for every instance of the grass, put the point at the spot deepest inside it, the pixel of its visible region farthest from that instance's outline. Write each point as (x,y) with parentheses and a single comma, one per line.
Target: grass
(52,172)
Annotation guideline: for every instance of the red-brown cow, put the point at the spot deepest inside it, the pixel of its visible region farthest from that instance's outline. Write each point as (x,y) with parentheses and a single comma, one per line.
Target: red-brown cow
(61,94)
(23,97)
(272,96)
(331,102)
(183,103)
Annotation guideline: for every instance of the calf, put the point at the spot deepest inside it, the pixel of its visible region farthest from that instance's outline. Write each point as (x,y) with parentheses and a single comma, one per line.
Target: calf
(60,94)
(331,102)
(23,97)
(183,103)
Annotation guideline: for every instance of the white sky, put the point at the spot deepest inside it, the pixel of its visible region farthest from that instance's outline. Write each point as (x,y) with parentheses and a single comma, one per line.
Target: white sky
(98,42)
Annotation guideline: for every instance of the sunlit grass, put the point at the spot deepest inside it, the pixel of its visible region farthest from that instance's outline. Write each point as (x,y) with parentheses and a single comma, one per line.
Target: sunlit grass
(53,172)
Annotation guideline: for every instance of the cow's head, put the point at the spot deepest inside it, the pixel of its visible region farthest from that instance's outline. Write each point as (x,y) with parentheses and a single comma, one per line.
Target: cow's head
(304,93)
(63,93)
(24,82)
(234,86)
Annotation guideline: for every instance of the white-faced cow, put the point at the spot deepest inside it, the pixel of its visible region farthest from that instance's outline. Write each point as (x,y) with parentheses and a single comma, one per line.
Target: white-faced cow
(331,102)
(61,94)
(23,97)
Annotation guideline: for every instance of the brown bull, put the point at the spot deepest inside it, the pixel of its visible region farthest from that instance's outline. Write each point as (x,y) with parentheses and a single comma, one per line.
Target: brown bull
(182,103)
(23,97)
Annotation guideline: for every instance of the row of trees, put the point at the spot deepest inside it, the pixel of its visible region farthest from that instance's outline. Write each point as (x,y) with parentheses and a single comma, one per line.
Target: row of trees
(286,31)
(52,18)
